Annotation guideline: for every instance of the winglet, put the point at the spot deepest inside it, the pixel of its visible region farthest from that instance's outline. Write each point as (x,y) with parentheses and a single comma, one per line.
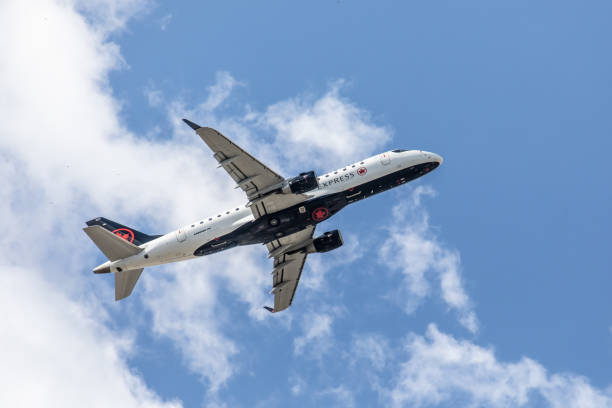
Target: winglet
(269,309)
(192,125)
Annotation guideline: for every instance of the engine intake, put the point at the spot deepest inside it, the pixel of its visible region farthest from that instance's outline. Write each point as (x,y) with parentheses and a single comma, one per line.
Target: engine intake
(304,182)
(326,242)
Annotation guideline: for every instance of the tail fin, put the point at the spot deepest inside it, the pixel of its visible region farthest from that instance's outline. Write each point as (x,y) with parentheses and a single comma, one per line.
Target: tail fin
(127,233)
(115,247)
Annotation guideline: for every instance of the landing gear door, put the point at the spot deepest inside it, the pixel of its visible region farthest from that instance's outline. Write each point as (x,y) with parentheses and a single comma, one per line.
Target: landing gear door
(385,158)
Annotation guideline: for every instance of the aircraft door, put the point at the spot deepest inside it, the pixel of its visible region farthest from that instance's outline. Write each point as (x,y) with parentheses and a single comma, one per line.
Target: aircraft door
(385,158)
(181,235)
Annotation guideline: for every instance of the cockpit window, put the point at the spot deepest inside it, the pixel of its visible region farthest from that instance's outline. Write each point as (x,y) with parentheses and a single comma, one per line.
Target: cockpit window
(399,150)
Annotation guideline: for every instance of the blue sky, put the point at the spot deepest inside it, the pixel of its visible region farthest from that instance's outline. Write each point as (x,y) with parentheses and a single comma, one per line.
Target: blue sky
(485,283)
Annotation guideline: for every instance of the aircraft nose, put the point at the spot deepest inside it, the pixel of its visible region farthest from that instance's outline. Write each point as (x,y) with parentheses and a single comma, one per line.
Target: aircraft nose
(434,157)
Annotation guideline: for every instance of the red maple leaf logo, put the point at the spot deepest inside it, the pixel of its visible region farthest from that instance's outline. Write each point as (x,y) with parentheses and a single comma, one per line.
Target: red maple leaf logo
(361,171)
(320,214)
(125,233)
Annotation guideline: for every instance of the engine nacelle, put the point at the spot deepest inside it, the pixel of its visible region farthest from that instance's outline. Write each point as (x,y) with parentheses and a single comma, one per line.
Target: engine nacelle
(326,242)
(302,183)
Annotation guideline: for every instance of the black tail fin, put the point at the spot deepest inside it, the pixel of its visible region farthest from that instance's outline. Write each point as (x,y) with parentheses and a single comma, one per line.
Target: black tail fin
(127,233)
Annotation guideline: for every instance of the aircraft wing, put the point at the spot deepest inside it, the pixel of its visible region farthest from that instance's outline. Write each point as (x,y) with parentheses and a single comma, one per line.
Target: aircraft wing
(257,180)
(289,255)
(250,174)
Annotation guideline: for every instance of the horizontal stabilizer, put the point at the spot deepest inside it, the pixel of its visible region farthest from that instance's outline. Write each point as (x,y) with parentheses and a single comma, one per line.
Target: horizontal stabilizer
(125,282)
(113,246)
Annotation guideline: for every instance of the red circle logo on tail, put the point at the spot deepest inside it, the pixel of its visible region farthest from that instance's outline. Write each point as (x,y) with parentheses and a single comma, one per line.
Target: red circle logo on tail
(125,233)
(320,214)
(362,171)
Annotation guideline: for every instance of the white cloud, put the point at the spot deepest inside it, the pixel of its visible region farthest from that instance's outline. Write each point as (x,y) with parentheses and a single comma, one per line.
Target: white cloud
(57,348)
(183,308)
(165,21)
(297,384)
(220,91)
(317,337)
(330,129)
(57,352)
(107,16)
(372,348)
(441,369)
(341,394)
(154,96)
(413,250)
(186,308)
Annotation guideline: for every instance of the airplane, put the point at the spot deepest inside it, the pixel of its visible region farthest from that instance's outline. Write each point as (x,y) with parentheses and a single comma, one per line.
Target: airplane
(280,213)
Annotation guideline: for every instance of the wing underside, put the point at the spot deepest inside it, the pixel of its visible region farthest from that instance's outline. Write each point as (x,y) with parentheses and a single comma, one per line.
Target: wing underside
(258,181)
(251,175)
(289,255)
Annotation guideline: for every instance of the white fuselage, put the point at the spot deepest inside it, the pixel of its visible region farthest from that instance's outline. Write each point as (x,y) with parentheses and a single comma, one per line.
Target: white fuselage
(181,244)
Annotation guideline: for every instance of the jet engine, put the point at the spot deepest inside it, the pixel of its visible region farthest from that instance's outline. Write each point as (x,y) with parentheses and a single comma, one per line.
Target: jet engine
(304,182)
(326,242)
